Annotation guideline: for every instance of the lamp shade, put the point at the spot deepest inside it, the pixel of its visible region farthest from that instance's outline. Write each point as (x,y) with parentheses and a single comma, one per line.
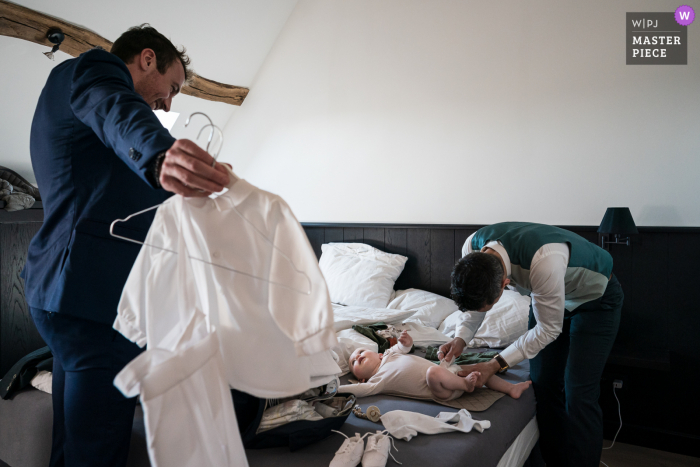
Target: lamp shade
(618,221)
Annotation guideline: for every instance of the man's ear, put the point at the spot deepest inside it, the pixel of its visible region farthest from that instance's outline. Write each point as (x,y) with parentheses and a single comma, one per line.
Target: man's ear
(506,281)
(147,59)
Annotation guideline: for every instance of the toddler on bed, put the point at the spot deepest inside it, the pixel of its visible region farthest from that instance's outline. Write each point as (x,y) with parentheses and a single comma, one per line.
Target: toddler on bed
(400,374)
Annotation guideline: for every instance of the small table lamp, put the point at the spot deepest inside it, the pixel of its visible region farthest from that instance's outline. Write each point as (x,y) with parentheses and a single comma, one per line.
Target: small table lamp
(617,221)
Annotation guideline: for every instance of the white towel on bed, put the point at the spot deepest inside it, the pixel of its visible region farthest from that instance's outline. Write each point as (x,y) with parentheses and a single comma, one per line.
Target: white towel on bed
(405,425)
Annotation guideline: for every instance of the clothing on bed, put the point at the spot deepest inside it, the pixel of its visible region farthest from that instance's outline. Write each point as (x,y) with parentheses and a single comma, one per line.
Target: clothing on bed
(464,359)
(369,331)
(405,425)
(383,335)
(399,374)
(21,373)
(263,288)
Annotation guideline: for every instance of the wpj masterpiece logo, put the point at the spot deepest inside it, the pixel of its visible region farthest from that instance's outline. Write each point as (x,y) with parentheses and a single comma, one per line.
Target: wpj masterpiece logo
(659,38)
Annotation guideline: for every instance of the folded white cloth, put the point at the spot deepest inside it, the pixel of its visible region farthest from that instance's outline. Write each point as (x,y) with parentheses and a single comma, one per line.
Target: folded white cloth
(43,381)
(405,425)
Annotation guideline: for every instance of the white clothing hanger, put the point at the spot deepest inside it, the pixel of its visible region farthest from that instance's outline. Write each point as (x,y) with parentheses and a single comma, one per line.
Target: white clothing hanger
(235,178)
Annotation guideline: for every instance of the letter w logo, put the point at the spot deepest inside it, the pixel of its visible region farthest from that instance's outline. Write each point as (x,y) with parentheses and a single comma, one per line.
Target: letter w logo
(637,23)
(685,15)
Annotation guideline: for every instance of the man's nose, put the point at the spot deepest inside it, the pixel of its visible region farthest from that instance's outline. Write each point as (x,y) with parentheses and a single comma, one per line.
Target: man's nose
(166,104)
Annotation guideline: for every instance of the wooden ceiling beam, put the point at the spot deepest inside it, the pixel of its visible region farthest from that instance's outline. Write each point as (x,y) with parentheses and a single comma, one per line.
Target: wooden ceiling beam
(24,23)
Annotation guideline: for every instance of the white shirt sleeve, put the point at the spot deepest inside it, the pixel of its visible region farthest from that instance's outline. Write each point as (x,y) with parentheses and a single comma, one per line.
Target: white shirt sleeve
(547,280)
(134,304)
(470,321)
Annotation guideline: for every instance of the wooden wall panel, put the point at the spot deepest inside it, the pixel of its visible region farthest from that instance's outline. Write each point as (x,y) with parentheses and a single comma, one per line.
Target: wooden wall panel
(353,235)
(18,335)
(647,323)
(395,241)
(374,237)
(442,248)
(317,237)
(334,235)
(417,270)
(461,236)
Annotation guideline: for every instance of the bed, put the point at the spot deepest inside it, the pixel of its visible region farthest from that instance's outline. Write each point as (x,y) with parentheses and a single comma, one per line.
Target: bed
(25,420)
(508,442)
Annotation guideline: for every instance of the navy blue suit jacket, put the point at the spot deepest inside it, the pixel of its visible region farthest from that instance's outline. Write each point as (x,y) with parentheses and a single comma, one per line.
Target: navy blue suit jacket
(93,139)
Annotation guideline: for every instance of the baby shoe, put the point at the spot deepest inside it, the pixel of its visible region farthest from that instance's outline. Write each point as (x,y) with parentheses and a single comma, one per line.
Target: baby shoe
(378,450)
(350,451)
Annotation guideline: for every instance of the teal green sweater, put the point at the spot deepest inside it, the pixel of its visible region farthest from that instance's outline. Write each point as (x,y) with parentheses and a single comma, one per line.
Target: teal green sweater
(589,266)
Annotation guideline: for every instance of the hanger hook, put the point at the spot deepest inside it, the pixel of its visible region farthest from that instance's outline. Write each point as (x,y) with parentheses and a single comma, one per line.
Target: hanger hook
(211,133)
(221,138)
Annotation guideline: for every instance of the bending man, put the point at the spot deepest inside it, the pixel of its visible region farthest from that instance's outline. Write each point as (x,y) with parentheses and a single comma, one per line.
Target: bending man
(574,318)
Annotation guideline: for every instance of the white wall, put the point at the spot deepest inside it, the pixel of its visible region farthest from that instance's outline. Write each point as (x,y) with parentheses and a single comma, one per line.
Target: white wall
(227,41)
(471,112)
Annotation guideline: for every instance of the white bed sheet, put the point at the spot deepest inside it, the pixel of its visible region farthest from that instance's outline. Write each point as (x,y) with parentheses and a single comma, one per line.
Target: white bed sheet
(519,451)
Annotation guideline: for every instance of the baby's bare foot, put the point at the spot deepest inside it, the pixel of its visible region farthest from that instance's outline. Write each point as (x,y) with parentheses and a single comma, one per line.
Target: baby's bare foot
(517,389)
(470,381)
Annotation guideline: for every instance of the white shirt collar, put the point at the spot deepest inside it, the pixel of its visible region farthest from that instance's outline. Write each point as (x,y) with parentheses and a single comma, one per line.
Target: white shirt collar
(498,248)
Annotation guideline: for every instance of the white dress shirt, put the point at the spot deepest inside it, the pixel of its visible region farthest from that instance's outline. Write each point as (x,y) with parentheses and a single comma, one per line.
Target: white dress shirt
(547,272)
(264,292)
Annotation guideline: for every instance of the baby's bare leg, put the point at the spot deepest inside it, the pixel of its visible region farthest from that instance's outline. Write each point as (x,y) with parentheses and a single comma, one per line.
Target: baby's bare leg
(443,383)
(501,385)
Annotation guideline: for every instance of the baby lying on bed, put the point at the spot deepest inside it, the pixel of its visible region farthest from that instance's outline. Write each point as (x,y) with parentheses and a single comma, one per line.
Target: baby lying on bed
(400,374)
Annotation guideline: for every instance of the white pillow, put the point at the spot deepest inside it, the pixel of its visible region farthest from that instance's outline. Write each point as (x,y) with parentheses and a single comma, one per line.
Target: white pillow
(502,325)
(348,341)
(431,309)
(358,274)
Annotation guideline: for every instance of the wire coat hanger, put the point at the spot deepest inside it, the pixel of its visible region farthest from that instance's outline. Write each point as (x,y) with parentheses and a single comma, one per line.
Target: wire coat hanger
(130,216)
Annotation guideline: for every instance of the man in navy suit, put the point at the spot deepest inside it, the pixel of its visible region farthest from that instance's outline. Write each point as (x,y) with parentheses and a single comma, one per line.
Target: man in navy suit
(99,153)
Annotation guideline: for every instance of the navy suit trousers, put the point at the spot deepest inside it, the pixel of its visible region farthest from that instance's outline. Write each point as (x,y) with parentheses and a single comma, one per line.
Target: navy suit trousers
(92,420)
(566,378)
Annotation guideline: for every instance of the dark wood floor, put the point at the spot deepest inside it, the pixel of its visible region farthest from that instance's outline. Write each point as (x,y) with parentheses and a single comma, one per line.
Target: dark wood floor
(627,455)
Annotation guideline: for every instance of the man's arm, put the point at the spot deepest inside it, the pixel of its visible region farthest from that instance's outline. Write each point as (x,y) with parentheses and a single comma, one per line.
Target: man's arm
(104,99)
(547,280)
(468,324)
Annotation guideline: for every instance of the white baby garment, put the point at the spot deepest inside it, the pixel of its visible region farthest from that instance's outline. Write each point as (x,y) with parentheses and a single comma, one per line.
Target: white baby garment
(405,425)
(401,374)
(188,410)
(268,300)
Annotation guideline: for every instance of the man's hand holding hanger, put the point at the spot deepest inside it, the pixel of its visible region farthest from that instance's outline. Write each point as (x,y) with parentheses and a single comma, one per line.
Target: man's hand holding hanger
(188,170)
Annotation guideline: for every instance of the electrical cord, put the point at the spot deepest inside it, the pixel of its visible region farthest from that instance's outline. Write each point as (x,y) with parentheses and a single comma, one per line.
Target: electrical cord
(619,414)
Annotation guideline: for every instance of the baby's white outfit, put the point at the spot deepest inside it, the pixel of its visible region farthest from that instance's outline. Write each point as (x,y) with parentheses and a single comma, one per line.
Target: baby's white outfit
(400,374)
(405,425)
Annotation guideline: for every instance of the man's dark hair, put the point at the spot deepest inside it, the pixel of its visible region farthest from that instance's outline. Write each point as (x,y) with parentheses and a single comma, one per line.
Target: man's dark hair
(134,40)
(476,281)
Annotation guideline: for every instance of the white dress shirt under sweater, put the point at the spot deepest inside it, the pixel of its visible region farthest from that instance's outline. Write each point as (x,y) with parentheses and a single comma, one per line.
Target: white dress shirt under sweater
(547,272)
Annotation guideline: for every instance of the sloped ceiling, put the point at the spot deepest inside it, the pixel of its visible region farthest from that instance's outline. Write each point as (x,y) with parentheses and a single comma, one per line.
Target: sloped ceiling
(227,41)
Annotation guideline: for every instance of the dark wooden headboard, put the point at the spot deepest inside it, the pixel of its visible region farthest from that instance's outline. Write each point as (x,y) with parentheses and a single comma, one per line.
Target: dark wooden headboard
(432,250)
